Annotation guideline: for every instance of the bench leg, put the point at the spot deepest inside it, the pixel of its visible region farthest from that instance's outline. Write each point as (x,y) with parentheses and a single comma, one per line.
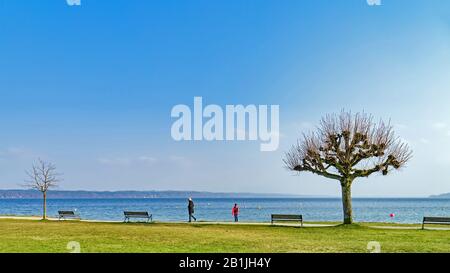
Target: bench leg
(423,225)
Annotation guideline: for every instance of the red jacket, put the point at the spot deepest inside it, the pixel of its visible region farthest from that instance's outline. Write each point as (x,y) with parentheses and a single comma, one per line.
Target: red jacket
(235,211)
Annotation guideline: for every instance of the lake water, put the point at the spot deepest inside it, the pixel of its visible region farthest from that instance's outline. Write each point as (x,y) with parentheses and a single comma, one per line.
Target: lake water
(409,210)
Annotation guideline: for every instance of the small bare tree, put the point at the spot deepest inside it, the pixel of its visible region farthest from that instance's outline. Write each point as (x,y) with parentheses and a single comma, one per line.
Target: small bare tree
(42,177)
(345,147)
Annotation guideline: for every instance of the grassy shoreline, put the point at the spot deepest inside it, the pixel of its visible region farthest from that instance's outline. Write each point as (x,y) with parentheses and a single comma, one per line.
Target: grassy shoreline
(53,237)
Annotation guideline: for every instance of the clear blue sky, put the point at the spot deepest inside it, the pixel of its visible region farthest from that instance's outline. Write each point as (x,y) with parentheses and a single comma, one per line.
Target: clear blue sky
(91,88)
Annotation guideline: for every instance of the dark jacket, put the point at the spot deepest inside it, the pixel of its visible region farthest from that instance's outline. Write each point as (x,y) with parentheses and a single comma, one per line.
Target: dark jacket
(191,207)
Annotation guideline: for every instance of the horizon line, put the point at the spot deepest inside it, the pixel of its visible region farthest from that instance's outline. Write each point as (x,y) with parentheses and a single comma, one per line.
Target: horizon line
(287,195)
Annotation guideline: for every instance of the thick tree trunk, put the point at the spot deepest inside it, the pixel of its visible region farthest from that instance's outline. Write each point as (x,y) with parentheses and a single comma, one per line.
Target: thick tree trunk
(44,208)
(347,201)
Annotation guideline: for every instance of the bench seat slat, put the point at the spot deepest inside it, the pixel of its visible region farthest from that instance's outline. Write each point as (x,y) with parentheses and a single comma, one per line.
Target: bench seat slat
(286,219)
(286,216)
(66,212)
(437,219)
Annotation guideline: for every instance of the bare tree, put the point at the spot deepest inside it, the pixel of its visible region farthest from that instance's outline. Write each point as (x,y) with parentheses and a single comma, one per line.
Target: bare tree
(345,147)
(42,177)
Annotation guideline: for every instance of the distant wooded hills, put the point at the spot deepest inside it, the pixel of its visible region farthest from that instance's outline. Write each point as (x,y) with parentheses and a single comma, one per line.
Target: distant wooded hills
(441,196)
(32,194)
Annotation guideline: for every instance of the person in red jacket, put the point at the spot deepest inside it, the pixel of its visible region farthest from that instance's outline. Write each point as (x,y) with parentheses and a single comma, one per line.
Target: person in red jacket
(235,212)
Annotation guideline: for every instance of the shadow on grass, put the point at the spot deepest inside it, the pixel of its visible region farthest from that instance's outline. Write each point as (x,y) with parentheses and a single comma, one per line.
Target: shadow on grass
(351,226)
(137,223)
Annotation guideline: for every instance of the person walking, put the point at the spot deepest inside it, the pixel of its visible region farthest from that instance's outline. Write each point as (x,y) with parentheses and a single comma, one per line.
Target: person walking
(235,213)
(191,210)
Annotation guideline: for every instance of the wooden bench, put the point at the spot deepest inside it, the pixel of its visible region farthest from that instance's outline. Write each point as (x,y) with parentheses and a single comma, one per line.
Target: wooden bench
(435,220)
(67,214)
(287,218)
(137,214)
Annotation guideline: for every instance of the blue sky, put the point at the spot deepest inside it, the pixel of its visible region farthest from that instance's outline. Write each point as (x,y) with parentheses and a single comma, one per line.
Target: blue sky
(91,88)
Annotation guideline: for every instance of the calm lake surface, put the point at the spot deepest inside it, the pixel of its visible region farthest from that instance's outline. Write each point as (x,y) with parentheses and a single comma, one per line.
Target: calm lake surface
(410,210)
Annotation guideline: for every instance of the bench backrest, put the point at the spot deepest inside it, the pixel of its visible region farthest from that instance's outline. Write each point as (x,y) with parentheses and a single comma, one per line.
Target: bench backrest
(286,217)
(136,213)
(66,212)
(437,219)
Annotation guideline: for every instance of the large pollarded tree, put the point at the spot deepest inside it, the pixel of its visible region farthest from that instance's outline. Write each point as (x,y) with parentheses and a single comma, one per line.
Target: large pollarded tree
(345,147)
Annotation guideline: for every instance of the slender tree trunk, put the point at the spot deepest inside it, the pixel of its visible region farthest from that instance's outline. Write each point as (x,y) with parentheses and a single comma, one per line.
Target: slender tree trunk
(347,200)
(44,211)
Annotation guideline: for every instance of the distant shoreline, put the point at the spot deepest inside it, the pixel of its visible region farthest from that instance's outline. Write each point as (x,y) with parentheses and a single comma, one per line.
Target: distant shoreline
(83,194)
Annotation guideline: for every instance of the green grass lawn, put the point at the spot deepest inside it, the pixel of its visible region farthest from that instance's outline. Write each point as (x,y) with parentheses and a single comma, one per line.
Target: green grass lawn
(52,236)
